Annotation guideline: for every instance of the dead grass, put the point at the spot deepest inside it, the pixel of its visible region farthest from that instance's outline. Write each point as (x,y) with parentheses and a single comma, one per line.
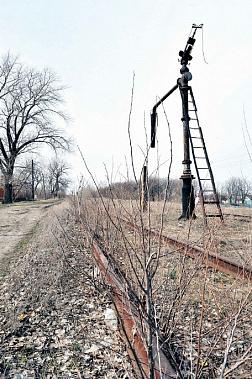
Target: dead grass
(200,313)
(52,308)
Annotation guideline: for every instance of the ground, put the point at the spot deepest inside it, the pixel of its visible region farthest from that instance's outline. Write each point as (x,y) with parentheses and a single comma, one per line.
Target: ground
(203,313)
(52,304)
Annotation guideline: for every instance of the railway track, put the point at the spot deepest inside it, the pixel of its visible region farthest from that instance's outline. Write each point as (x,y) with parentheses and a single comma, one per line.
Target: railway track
(125,299)
(245,217)
(130,325)
(219,262)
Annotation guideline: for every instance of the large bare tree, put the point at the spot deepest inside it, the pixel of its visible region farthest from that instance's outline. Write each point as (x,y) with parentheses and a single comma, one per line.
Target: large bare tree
(30,103)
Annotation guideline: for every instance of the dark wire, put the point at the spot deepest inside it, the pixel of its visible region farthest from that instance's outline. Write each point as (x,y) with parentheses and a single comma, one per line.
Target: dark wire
(189,36)
(203,46)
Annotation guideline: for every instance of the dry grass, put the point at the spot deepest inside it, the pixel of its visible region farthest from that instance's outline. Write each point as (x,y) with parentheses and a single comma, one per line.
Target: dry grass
(203,316)
(52,308)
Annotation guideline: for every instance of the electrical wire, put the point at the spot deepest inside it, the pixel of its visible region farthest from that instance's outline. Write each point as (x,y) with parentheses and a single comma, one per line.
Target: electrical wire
(202,44)
(231,164)
(244,137)
(233,157)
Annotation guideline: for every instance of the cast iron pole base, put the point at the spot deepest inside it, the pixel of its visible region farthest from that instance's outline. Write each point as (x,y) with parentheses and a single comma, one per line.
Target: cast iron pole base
(188,202)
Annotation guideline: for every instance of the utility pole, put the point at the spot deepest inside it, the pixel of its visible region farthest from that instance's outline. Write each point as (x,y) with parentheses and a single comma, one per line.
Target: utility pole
(32,172)
(43,178)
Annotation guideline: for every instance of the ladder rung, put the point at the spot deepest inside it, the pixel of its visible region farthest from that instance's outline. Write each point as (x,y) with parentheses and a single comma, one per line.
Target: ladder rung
(203,168)
(196,137)
(213,215)
(210,202)
(198,147)
(200,157)
(204,179)
(193,128)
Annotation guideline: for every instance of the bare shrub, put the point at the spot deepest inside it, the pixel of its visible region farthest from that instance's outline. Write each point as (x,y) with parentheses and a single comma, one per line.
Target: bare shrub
(198,317)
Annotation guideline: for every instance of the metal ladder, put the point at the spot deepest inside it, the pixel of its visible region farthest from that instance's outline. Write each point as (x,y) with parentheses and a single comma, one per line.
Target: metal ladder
(207,189)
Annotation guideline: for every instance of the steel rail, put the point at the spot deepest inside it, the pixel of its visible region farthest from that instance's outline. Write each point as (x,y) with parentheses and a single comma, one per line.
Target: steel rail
(209,258)
(128,314)
(239,216)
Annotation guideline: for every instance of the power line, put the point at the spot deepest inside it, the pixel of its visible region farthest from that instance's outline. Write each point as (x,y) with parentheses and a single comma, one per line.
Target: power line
(233,157)
(232,164)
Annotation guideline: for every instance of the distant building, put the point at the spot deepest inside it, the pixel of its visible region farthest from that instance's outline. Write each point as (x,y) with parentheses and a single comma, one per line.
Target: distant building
(248,200)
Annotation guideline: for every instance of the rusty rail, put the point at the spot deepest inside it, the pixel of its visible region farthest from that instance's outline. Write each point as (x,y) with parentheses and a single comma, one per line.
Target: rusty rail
(247,217)
(209,258)
(127,312)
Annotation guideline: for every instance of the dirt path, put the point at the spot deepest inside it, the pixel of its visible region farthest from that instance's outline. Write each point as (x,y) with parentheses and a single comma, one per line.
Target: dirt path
(52,306)
(17,222)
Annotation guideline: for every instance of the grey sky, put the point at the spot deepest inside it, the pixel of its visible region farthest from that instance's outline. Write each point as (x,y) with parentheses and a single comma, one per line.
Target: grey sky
(95,46)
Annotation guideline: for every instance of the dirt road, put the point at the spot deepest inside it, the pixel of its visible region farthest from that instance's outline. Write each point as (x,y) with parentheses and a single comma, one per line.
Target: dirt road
(52,321)
(17,221)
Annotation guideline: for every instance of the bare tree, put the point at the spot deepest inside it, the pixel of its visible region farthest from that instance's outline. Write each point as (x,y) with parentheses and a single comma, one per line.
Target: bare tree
(28,177)
(173,304)
(245,189)
(237,189)
(29,109)
(58,177)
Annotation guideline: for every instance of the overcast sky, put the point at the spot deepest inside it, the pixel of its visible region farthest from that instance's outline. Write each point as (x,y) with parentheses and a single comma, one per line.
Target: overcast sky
(96,45)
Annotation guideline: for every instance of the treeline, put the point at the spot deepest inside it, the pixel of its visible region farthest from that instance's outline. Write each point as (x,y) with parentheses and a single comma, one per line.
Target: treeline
(234,190)
(158,189)
(34,179)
